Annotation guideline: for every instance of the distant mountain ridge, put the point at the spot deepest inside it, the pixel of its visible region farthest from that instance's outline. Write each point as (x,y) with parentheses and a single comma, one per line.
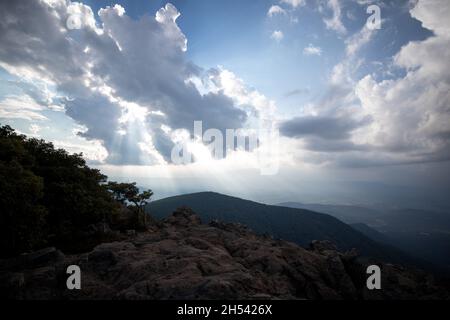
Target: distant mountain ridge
(346,213)
(419,233)
(296,225)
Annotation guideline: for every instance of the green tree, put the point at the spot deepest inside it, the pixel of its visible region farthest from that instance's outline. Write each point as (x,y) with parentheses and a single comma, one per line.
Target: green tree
(129,193)
(48,196)
(51,197)
(22,217)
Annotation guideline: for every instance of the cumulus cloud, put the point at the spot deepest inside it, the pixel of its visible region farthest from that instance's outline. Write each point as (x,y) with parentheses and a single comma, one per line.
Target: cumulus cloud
(277,35)
(328,128)
(93,150)
(400,120)
(311,50)
(248,99)
(294,3)
(274,10)
(412,114)
(124,80)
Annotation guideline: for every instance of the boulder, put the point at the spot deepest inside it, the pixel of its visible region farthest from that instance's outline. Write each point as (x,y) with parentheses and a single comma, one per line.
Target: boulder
(184,259)
(32,260)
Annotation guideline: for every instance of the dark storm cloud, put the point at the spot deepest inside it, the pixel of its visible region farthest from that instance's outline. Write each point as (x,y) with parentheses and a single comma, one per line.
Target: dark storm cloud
(326,145)
(139,61)
(328,128)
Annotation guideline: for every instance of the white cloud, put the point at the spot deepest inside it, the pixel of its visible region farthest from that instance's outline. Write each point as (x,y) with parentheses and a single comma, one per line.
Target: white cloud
(21,107)
(277,35)
(358,40)
(274,10)
(411,114)
(434,15)
(35,129)
(81,16)
(129,62)
(294,3)
(311,50)
(343,73)
(92,150)
(395,121)
(235,88)
(168,16)
(335,21)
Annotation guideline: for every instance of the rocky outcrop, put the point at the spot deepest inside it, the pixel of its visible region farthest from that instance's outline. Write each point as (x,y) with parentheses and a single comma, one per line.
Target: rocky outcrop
(181,258)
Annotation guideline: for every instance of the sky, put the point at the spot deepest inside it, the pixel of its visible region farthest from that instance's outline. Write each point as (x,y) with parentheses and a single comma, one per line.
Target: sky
(341,110)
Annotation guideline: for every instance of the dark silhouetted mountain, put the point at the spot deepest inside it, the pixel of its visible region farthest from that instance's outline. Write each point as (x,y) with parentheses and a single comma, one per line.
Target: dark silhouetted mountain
(424,234)
(415,221)
(419,233)
(432,249)
(296,225)
(345,213)
(371,233)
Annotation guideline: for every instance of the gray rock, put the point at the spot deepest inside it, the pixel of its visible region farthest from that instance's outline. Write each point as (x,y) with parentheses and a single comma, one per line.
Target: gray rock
(32,260)
(183,259)
(131,233)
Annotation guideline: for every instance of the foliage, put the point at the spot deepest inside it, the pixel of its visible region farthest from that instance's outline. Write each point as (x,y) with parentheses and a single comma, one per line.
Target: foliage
(21,214)
(129,193)
(48,196)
